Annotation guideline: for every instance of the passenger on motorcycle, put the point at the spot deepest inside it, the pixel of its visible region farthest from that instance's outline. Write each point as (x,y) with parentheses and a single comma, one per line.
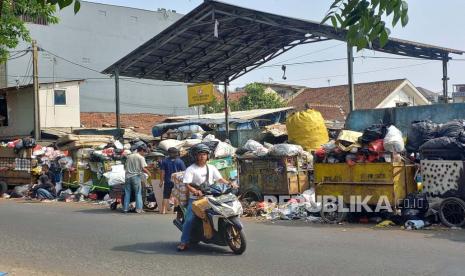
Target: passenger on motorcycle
(197,174)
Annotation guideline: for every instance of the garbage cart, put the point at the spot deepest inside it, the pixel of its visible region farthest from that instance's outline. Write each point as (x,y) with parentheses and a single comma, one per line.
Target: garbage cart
(391,180)
(15,168)
(271,176)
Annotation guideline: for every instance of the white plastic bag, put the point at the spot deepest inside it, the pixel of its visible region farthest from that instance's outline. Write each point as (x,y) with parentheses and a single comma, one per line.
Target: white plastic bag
(191,142)
(209,138)
(170,143)
(224,150)
(286,150)
(84,189)
(116,176)
(393,141)
(252,145)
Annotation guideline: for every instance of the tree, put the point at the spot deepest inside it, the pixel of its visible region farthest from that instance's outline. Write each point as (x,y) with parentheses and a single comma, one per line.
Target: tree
(363,19)
(13,12)
(258,98)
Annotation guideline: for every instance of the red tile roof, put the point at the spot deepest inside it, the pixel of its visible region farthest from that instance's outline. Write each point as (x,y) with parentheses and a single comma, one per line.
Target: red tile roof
(329,112)
(233,96)
(142,122)
(236,96)
(367,95)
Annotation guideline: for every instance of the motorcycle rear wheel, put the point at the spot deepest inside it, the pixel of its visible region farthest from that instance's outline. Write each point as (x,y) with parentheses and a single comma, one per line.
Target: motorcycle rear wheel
(235,239)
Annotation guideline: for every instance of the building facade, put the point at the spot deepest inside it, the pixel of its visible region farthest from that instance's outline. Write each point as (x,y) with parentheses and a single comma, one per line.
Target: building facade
(58,107)
(82,45)
(333,101)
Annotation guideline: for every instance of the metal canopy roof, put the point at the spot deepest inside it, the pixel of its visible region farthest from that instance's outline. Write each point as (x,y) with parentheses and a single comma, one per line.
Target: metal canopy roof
(188,51)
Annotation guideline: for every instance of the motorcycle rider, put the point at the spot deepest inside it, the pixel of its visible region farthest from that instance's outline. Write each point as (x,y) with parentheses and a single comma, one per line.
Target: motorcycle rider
(197,174)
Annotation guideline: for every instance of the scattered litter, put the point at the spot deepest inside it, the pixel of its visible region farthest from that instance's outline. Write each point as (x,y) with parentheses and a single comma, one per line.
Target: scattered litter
(385,223)
(414,224)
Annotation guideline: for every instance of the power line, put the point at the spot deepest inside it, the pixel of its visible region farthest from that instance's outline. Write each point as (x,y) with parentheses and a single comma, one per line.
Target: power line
(364,72)
(72,62)
(305,62)
(18,56)
(26,75)
(308,54)
(140,105)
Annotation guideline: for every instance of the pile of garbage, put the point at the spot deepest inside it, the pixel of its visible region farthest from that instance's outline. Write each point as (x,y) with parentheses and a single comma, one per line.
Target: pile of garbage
(218,148)
(301,207)
(377,143)
(254,149)
(437,141)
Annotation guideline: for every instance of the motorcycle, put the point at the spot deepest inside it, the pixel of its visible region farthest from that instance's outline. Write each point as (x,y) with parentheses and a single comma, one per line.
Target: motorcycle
(222,214)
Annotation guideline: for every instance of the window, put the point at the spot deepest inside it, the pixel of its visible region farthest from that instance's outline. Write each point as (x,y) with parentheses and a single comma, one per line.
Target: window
(3,111)
(60,97)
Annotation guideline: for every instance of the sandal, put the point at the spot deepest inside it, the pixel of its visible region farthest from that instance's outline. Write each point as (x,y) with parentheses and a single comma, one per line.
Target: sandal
(182,247)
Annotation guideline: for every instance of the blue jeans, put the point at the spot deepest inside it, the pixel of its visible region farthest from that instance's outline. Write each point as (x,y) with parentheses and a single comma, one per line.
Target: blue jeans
(188,221)
(44,194)
(133,184)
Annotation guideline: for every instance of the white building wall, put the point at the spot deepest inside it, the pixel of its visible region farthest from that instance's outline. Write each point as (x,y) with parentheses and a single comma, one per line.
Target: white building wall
(52,115)
(97,37)
(404,95)
(20,106)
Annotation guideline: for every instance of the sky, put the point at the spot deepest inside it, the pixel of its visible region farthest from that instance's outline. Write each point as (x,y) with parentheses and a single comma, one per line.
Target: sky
(439,23)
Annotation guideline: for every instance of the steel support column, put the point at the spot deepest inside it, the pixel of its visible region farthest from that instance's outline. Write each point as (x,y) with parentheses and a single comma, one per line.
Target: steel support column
(226,108)
(350,72)
(118,119)
(445,78)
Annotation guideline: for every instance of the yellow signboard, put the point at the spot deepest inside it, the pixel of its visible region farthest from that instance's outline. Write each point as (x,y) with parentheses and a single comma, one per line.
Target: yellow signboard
(200,94)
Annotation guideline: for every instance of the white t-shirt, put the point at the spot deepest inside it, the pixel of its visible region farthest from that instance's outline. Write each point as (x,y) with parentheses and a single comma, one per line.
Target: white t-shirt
(197,175)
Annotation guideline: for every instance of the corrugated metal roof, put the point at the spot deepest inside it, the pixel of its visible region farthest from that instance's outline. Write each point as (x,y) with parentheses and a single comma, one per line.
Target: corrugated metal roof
(190,51)
(244,115)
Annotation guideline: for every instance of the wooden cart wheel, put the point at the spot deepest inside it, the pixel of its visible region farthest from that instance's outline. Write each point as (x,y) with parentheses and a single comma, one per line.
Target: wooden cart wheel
(330,216)
(3,188)
(452,212)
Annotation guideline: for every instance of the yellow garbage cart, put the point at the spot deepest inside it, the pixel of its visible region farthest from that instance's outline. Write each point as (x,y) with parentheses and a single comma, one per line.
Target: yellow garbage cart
(373,183)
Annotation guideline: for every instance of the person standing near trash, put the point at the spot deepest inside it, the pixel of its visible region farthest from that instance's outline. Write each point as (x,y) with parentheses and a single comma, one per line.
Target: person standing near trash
(168,166)
(135,167)
(199,173)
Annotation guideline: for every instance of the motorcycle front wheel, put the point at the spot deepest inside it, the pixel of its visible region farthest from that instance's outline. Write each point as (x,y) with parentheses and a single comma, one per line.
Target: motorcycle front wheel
(235,239)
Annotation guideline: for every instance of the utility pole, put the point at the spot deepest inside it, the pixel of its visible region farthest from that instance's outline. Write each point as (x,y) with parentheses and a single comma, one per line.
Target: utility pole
(350,71)
(35,79)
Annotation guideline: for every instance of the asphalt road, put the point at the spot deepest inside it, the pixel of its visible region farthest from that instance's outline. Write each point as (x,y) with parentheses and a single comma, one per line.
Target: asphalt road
(84,239)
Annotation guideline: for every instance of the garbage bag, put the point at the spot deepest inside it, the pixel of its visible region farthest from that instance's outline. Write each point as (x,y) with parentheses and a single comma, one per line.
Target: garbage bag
(393,141)
(20,191)
(116,176)
(252,145)
(286,150)
(170,143)
(347,140)
(451,129)
(224,150)
(374,132)
(192,142)
(376,146)
(307,129)
(446,148)
(29,142)
(419,133)
(210,138)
